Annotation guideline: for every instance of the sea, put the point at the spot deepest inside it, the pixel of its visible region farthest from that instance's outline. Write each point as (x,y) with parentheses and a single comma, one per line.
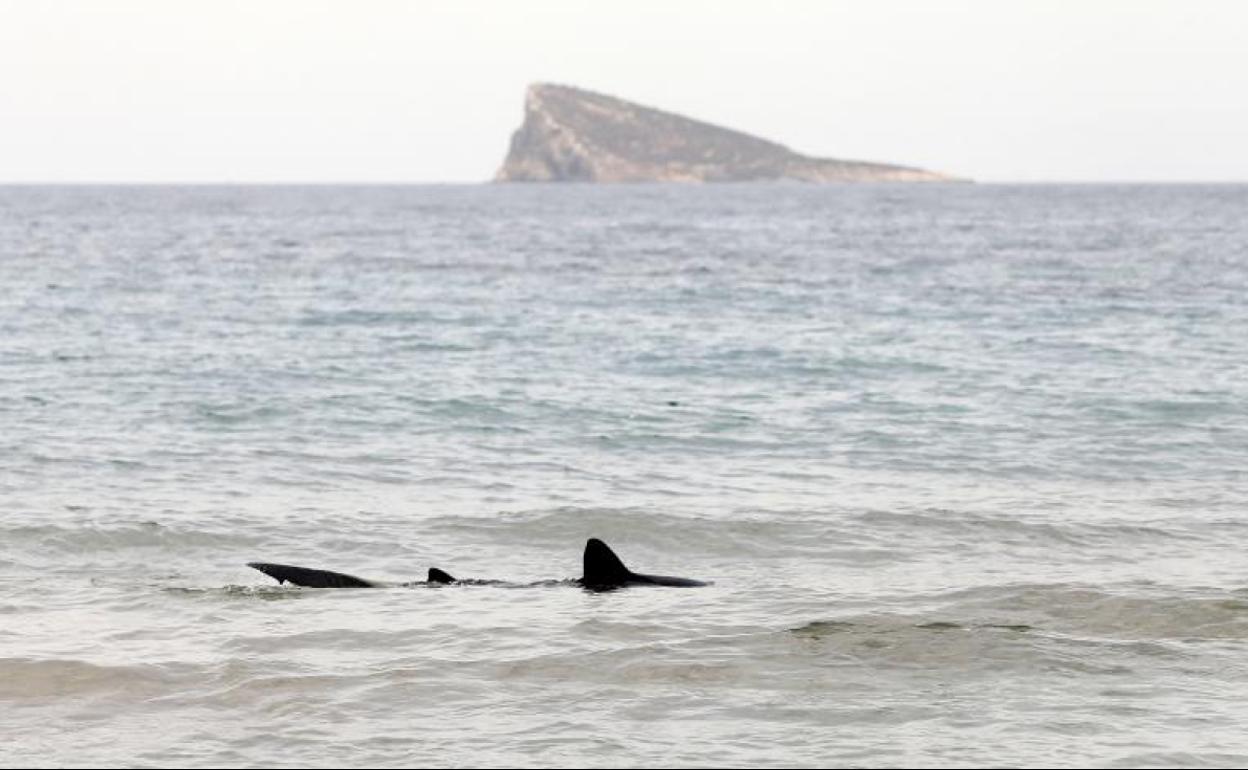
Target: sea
(966,466)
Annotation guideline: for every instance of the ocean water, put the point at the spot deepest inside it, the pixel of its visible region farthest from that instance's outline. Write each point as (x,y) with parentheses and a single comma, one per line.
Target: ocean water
(966,464)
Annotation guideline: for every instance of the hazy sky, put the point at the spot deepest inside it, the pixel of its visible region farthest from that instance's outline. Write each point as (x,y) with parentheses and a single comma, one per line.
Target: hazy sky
(373,90)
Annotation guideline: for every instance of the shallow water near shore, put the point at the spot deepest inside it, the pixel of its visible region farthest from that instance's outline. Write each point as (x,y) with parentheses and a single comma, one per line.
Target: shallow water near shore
(966,465)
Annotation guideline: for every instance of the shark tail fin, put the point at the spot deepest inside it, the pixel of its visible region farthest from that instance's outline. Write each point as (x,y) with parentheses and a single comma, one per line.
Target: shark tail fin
(309,578)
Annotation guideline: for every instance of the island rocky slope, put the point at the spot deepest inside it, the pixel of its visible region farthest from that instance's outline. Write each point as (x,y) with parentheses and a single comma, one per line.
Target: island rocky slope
(573,135)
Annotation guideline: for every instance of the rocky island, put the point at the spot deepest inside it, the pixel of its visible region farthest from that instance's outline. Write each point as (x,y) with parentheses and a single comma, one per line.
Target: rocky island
(573,135)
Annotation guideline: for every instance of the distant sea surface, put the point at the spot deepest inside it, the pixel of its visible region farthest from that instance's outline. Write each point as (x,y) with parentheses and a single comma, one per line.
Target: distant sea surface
(966,464)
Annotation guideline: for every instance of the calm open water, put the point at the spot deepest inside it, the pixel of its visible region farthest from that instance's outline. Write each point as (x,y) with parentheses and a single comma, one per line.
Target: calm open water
(968,466)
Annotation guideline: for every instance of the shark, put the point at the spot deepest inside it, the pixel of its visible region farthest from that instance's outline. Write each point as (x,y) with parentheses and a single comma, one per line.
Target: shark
(601,570)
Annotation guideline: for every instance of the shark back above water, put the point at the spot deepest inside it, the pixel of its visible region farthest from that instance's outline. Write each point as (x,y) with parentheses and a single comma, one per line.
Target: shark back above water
(602,571)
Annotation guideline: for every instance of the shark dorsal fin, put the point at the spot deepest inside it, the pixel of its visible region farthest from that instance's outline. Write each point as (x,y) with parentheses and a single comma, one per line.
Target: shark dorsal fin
(438,576)
(602,567)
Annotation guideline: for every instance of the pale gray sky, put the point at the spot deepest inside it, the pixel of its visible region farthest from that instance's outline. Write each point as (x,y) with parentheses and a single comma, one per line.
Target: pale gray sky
(376,90)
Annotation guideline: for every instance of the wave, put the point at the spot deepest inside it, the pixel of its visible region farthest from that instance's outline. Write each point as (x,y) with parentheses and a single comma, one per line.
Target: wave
(33,679)
(1070,612)
(95,538)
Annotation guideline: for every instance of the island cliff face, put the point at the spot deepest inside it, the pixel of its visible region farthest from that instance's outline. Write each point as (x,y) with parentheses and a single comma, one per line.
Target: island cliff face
(573,135)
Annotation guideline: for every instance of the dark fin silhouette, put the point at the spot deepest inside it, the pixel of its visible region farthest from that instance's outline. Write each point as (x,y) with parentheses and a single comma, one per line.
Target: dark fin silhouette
(438,576)
(309,578)
(603,571)
(602,568)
